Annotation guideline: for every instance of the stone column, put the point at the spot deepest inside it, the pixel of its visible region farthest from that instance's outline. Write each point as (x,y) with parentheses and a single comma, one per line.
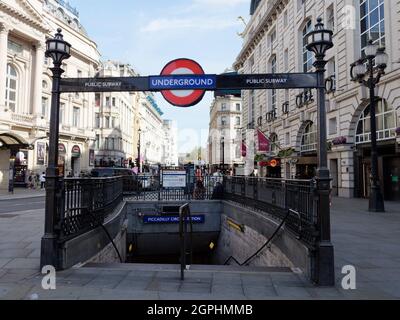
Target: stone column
(4,30)
(38,78)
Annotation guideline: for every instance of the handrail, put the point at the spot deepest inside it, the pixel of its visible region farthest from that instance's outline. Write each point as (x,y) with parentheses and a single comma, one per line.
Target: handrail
(264,245)
(184,218)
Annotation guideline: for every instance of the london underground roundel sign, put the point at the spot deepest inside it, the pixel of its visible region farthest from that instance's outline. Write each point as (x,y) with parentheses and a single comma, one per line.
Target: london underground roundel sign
(183,98)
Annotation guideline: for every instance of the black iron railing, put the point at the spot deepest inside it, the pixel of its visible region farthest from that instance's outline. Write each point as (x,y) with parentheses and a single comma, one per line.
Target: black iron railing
(86,202)
(186,237)
(277,197)
(150,188)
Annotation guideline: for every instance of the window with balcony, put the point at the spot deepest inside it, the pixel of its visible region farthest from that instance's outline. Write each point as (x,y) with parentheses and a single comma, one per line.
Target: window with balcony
(385,123)
(11,88)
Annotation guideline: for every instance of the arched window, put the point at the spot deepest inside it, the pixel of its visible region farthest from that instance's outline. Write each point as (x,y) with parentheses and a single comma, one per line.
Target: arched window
(307,55)
(11,88)
(309,139)
(385,123)
(274,143)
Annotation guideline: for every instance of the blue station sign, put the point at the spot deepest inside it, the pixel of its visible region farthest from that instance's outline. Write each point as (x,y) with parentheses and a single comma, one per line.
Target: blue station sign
(183,82)
(171,219)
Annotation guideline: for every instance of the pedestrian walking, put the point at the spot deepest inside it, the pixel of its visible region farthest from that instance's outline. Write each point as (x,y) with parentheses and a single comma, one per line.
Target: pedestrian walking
(42,180)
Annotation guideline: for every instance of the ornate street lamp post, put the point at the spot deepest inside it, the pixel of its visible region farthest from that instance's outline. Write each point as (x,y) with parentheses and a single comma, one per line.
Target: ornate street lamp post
(319,41)
(58,50)
(139,145)
(223,153)
(374,62)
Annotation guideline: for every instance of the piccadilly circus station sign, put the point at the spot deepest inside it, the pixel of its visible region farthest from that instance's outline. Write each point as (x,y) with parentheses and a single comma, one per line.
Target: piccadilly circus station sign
(183,82)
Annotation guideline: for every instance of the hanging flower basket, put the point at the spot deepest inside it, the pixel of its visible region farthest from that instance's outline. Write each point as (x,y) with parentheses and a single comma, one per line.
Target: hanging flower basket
(339,141)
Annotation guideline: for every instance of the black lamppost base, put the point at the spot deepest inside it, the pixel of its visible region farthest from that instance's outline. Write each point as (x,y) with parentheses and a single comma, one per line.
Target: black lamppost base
(325,268)
(376,202)
(49,252)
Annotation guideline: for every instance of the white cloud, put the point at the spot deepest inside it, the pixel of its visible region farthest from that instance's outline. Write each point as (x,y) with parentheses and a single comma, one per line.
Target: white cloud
(188,23)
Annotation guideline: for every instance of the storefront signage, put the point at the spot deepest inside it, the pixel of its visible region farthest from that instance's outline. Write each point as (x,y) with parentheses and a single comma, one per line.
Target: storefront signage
(62,149)
(174,179)
(171,219)
(272,163)
(76,152)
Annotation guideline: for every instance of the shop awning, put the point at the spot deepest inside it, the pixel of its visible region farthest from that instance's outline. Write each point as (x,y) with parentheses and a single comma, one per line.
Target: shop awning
(10,140)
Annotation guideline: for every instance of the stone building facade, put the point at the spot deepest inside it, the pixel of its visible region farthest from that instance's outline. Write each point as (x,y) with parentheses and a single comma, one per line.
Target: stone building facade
(115,114)
(225,132)
(25,86)
(274,43)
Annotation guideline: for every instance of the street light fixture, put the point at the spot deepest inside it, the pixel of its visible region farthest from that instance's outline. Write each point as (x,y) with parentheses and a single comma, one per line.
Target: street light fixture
(319,41)
(368,72)
(58,50)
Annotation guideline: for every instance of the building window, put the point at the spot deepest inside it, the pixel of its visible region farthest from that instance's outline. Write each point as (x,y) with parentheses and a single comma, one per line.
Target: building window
(385,123)
(111,144)
(287,138)
(372,22)
(97,120)
(11,88)
(107,124)
(272,37)
(223,107)
(106,144)
(274,143)
(79,74)
(75,117)
(307,55)
(108,102)
(112,122)
(113,102)
(238,121)
(285,19)
(223,121)
(330,18)
(97,143)
(309,139)
(45,107)
(238,107)
(97,99)
(333,126)
(62,112)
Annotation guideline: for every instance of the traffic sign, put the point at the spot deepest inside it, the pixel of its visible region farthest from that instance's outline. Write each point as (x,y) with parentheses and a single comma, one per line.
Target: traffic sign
(189,97)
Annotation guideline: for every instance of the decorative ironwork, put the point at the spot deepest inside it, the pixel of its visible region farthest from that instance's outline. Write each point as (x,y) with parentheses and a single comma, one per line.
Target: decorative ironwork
(285,107)
(85,203)
(305,98)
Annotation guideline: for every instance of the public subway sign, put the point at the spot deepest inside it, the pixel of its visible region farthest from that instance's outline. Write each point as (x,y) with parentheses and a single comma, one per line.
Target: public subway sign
(171,219)
(183,82)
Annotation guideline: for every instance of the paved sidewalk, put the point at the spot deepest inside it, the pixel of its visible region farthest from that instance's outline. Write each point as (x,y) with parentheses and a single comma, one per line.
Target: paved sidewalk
(368,241)
(22,194)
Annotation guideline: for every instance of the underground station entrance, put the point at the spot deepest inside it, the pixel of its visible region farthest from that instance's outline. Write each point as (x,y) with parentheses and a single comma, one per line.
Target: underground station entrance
(238,221)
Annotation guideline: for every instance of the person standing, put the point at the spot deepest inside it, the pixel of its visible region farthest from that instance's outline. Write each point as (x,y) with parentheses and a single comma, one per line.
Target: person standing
(42,180)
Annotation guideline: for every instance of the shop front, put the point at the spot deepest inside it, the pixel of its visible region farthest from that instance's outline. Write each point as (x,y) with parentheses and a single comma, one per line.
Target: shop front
(20,169)
(62,152)
(271,168)
(76,160)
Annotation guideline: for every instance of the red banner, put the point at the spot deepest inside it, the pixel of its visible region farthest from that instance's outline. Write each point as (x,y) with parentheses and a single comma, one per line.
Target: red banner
(244,149)
(263,142)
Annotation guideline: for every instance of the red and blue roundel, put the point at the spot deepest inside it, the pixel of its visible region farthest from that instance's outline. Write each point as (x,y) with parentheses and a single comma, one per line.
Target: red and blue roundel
(183,98)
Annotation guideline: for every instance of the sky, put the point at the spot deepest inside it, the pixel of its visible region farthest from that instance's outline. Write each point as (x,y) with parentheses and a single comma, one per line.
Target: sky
(149,34)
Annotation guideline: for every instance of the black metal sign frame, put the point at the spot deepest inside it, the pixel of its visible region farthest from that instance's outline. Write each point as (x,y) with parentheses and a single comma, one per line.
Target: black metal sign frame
(193,82)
